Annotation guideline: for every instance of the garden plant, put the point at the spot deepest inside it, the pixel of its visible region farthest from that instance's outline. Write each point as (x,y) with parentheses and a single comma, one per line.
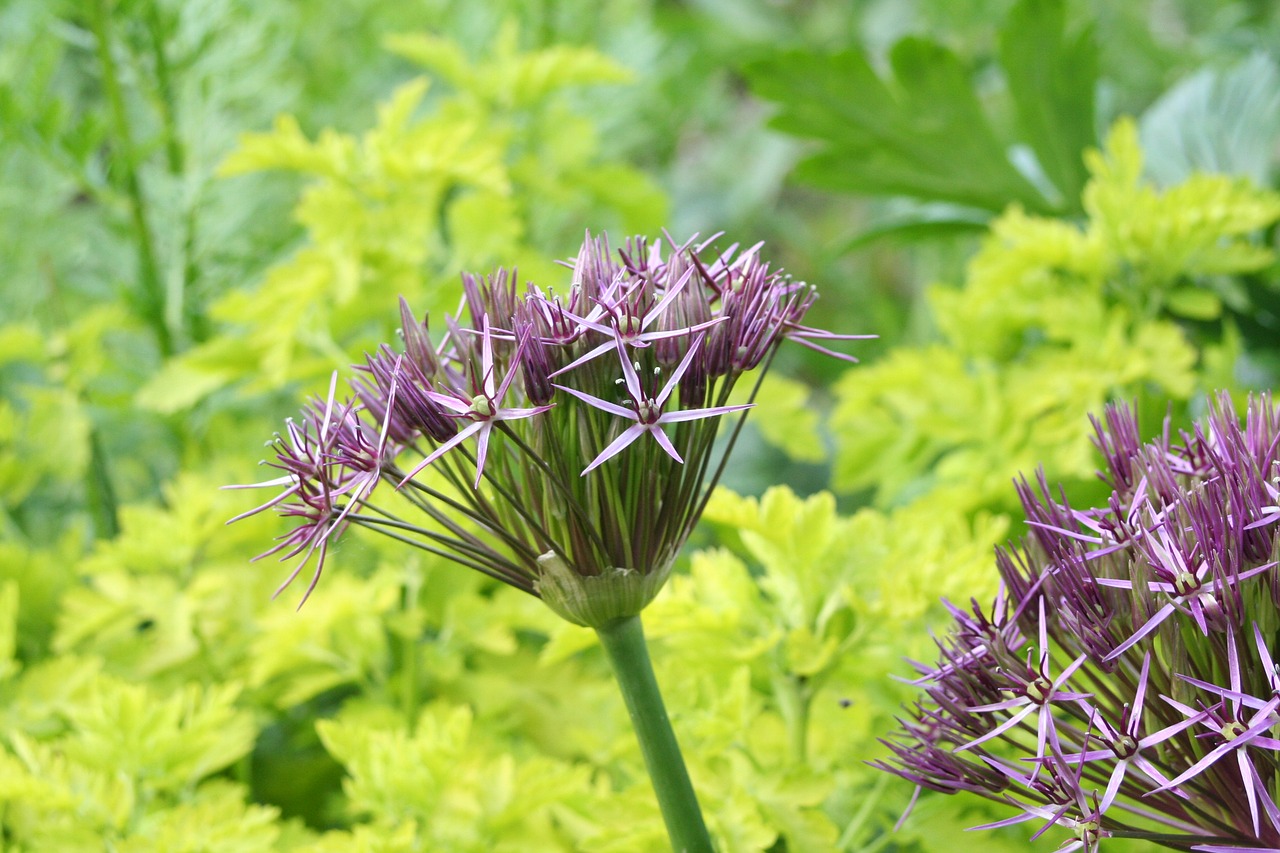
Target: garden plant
(885,602)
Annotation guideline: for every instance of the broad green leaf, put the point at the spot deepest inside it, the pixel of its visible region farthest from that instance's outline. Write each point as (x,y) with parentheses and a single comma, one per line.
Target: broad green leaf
(927,222)
(1220,120)
(1052,78)
(901,136)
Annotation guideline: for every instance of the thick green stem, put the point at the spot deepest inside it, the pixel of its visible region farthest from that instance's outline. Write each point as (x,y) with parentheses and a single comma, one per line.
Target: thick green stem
(624,643)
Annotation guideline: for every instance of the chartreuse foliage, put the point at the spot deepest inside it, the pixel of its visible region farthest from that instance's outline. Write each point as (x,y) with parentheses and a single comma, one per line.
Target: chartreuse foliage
(1054,319)
(777,651)
(154,698)
(437,187)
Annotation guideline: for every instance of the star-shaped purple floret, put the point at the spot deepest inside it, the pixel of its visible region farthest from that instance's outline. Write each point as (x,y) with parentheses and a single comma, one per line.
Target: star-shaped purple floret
(1238,730)
(622,323)
(483,408)
(1039,691)
(647,411)
(1190,590)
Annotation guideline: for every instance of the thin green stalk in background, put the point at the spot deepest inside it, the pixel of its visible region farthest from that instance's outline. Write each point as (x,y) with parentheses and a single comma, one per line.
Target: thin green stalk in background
(795,697)
(181,314)
(412,591)
(153,301)
(624,643)
(100,491)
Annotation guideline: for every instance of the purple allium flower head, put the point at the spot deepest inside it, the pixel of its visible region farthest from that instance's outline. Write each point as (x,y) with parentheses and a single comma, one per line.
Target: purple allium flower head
(516,444)
(1158,612)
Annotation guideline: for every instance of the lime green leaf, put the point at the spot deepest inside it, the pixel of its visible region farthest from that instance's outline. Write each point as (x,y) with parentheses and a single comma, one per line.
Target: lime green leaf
(162,742)
(21,342)
(44,440)
(784,416)
(508,77)
(1203,226)
(1195,303)
(56,803)
(286,147)
(486,228)
(434,53)
(47,692)
(183,382)
(216,820)
(9,664)
(466,794)
(43,572)
(808,655)
(532,77)
(367,839)
(342,640)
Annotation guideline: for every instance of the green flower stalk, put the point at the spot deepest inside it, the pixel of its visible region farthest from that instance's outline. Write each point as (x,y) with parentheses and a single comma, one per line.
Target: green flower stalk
(561,442)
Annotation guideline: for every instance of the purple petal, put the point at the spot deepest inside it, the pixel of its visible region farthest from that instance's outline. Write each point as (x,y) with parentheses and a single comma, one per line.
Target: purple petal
(486,356)
(672,292)
(583,359)
(482,450)
(674,380)
(1151,625)
(1000,729)
(664,442)
(603,405)
(1113,784)
(629,435)
(680,415)
(1221,750)
(629,373)
(462,435)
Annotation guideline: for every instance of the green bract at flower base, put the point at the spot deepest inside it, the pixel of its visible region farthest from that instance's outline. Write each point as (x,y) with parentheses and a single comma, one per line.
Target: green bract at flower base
(562,443)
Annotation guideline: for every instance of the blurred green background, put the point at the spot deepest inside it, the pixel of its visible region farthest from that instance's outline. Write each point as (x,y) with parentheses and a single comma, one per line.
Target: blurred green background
(207,207)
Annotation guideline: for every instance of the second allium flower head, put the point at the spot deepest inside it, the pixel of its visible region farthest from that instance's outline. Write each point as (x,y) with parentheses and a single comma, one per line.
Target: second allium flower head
(561,442)
(1124,683)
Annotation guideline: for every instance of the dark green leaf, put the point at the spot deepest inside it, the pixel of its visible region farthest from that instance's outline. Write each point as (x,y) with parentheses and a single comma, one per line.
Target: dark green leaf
(1052,80)
(922,134)
(925,222)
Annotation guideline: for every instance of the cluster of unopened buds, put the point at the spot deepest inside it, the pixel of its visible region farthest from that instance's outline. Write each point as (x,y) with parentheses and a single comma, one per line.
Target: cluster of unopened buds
(1124,684)
(559,442)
